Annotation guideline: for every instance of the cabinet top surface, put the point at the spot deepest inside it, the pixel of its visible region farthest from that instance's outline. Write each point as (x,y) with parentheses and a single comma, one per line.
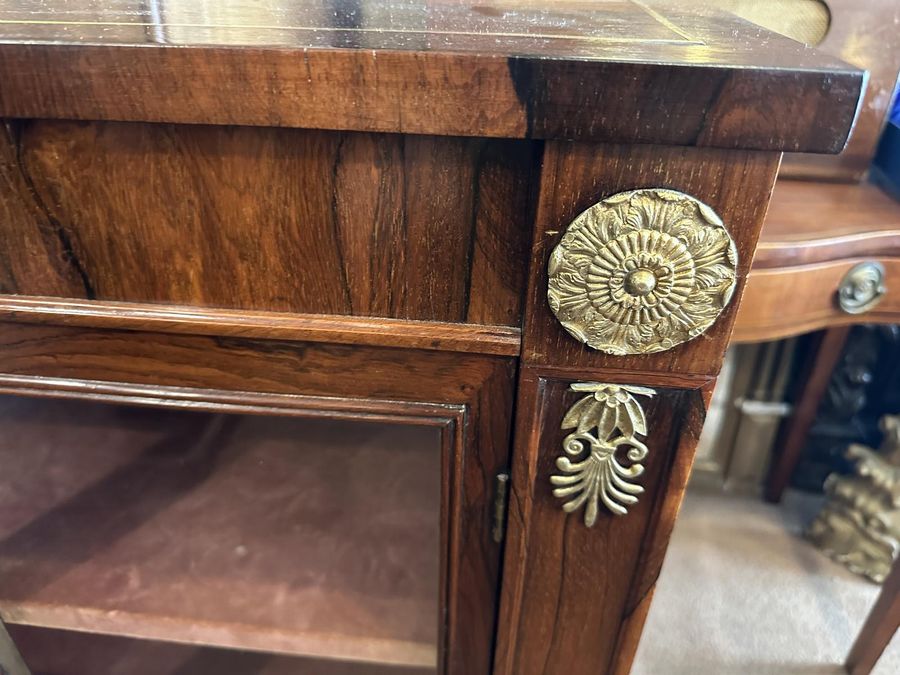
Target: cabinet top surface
(547,51)
(620,30)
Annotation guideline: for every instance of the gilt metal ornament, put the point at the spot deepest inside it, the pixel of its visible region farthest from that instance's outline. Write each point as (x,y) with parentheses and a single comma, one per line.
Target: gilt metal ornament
(641,272)
(608,418)
(859,525)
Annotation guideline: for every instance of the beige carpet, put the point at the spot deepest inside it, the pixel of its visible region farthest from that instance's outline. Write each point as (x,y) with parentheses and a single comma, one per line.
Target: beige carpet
(742,594)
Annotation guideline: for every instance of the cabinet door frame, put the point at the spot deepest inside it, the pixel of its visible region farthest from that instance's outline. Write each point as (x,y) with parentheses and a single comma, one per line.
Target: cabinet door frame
(467,397)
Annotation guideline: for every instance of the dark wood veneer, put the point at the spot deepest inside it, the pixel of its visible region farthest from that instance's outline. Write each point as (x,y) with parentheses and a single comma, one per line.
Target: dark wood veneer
(434,68)
(735,184)
(373,332)
(344,209)
(575,598)
(266,219)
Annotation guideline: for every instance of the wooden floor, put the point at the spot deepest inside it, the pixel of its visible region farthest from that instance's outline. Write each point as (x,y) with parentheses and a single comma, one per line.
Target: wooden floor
(309,537)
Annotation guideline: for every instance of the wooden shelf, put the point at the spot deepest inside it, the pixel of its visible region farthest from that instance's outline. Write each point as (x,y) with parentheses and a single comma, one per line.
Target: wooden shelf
(285,535)
(56,652)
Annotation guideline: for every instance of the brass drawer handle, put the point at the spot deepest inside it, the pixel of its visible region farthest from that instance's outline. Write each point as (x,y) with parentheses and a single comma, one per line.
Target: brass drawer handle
(641,272)
(862,288)
(596,475)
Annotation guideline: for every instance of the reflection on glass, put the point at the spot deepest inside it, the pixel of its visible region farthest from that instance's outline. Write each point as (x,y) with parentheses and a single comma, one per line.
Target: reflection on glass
(277,534)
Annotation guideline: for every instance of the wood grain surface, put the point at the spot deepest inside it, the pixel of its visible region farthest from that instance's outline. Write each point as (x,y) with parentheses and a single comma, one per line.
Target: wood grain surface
(575,176)
(575,598)
(373,332)
(266,219)
(448,68)
(795,300)
(812,222)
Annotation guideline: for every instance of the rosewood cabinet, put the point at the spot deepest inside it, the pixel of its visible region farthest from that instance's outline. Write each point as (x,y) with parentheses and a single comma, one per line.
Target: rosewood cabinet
(368,337)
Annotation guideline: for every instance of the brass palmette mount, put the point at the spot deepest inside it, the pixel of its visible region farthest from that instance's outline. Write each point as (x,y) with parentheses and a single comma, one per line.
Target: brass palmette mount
(607,419)
(641,272)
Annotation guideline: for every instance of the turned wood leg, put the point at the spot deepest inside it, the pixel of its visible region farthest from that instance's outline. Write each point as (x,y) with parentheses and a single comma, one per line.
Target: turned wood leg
(792,436)
(880,626)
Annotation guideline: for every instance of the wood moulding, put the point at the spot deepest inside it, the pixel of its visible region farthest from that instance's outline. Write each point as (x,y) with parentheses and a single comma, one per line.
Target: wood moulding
(463,74)
(812,222)
(376,332)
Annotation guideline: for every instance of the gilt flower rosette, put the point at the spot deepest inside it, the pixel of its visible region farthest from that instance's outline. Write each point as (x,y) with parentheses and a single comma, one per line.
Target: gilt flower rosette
(641,272)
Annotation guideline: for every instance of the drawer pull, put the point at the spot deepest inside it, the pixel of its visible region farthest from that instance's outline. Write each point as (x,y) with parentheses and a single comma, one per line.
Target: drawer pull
(641,272)
(862,288)
(596,475)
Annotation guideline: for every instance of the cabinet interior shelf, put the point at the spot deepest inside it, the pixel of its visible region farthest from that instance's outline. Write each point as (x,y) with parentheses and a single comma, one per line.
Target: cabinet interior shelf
(275,534)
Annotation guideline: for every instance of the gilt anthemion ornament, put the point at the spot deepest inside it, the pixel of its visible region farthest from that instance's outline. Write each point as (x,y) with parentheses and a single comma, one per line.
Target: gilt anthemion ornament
(607,419)
(641,272)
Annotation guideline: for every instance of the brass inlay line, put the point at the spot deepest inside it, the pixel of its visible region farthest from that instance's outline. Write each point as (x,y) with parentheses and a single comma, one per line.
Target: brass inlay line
(322,29)
(664,21)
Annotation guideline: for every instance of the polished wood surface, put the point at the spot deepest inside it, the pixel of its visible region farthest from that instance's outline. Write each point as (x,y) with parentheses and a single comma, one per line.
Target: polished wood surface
(247,532)
(451,68)
(599,582)
(864,34)
(813,222)
(57,652)
(813,234)
(795,300)
(343,210)
(881,625)
(735,184)
(373,332)
(266,219)
(575,598)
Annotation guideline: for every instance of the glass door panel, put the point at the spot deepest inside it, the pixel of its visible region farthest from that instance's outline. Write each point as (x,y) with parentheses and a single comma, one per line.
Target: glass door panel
(298,536)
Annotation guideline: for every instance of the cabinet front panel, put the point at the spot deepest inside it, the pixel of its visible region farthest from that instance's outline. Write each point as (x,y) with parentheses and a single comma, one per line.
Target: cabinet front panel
(415,227)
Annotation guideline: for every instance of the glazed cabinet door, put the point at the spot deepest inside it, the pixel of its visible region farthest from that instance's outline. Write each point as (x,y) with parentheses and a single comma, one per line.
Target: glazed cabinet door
(307,505)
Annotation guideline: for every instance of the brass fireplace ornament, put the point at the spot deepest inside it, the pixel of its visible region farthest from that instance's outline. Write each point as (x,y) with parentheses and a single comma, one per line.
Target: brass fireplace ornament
(608,418)
(641,272)
(859,525)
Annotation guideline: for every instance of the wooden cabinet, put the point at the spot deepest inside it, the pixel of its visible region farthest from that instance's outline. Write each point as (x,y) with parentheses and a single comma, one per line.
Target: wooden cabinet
(368,337)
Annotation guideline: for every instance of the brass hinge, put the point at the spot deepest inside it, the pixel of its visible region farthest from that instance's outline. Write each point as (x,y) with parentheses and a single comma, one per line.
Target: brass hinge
(501,492)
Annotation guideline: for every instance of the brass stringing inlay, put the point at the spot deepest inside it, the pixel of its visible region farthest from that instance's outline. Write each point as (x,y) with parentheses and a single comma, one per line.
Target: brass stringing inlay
(596,475)
(641,272)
